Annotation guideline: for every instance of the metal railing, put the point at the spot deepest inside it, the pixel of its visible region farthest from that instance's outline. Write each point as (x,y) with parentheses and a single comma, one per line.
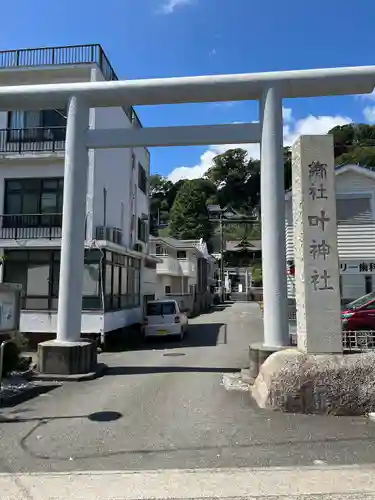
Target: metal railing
(31,140)
(59,56)
(352,340)
(359,340)
(30,226)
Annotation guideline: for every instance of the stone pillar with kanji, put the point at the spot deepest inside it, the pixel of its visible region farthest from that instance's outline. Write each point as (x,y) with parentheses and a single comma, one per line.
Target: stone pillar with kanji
(315,246)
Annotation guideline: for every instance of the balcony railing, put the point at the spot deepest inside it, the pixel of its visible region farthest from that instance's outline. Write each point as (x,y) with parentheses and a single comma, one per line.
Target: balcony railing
(31,140)
(58,56)
(30,226)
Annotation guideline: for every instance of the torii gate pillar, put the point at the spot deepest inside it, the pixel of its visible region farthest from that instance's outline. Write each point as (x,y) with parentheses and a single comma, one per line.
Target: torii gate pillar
(275,297)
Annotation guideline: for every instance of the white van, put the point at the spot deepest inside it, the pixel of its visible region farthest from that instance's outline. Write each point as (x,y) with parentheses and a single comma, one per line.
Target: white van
(164,318)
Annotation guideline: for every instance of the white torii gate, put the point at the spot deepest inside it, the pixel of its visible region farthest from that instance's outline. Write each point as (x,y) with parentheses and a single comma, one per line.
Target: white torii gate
(268,88)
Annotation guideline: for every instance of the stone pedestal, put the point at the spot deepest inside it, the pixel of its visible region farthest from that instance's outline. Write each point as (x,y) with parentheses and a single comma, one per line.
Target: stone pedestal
(315,246)
(67,360)
(258,353)
(293,381)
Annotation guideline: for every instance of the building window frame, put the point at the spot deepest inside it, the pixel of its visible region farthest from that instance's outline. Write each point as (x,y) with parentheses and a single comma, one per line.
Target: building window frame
(352,195)
(50,257)
(128,270)
(38,125)
(142,178)
(142,230)
(39,189)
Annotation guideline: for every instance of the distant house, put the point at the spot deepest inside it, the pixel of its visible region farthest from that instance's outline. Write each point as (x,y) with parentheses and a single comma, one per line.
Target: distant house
(355,202)
(242,253)
(185,271)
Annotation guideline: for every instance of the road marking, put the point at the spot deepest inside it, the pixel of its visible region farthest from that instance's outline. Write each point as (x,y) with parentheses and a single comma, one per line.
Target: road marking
(191,484)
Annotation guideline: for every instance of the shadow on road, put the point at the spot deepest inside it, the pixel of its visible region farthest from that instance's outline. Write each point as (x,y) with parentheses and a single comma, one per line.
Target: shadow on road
(219,307)
(197,335)
(147,370)
(99,416)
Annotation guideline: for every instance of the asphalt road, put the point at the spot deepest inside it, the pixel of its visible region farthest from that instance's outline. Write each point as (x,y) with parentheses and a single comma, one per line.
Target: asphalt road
(170,411)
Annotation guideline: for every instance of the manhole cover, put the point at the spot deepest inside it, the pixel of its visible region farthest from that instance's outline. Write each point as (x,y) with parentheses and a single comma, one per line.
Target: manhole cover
(105,416)
(174,354)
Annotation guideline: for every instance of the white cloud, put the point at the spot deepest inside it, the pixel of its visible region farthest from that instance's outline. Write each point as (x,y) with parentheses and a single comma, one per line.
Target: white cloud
(369,114)
(171,5)
(310,125)
(212,52)
(287,114)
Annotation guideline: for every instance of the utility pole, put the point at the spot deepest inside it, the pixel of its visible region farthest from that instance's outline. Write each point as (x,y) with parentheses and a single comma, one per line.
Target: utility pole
(222,256)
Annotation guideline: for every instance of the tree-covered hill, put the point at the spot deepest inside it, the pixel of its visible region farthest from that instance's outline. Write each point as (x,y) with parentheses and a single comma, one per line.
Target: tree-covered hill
(233,180)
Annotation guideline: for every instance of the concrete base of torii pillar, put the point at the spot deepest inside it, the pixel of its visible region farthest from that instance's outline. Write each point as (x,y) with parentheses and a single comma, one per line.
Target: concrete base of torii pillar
(68,360)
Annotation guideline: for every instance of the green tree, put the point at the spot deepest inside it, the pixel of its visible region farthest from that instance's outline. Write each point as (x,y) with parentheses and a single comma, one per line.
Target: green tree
(162,194)
(237,179)
(189,216)
(354,143)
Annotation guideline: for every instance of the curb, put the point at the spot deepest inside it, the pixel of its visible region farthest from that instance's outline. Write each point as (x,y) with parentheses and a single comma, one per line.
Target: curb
(100,369)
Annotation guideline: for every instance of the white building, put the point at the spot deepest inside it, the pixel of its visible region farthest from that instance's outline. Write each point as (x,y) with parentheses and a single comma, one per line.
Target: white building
(186,271)
(355,195)
(31,190)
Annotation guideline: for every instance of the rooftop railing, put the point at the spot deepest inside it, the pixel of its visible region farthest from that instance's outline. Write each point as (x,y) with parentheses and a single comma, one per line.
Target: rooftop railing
(58,56)
(64,56)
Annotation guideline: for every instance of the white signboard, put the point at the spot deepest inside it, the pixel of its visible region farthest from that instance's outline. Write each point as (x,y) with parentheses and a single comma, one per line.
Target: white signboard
(360,267)
(9,306)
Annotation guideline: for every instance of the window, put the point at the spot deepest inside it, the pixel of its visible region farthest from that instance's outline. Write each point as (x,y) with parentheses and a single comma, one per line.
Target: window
(122,281)
(161,308)
(368,284)
(38,275)
(142,230)
(38,272)
(167,289)
(160,250)
(44,125)
(181,254)
(37,197)
(354,208)
(91,279)
(142,179)
(370,307)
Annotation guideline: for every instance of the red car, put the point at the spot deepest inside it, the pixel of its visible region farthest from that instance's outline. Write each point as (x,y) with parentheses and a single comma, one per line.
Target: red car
(359,314)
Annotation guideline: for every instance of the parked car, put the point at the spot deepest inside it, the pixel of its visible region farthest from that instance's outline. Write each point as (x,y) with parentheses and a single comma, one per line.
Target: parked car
(359,316)
(164,318)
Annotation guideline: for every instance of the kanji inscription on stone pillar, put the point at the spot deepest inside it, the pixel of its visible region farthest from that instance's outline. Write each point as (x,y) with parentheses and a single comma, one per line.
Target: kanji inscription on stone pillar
(315,245)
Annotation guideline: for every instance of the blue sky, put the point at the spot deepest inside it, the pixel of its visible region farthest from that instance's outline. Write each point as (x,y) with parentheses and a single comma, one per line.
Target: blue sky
(162,38)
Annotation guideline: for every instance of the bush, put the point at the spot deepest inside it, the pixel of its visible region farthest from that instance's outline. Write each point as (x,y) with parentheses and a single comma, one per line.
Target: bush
(11,358)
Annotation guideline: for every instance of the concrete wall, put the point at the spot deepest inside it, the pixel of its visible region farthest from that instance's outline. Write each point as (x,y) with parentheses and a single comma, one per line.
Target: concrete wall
(113,172)
(92,322)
